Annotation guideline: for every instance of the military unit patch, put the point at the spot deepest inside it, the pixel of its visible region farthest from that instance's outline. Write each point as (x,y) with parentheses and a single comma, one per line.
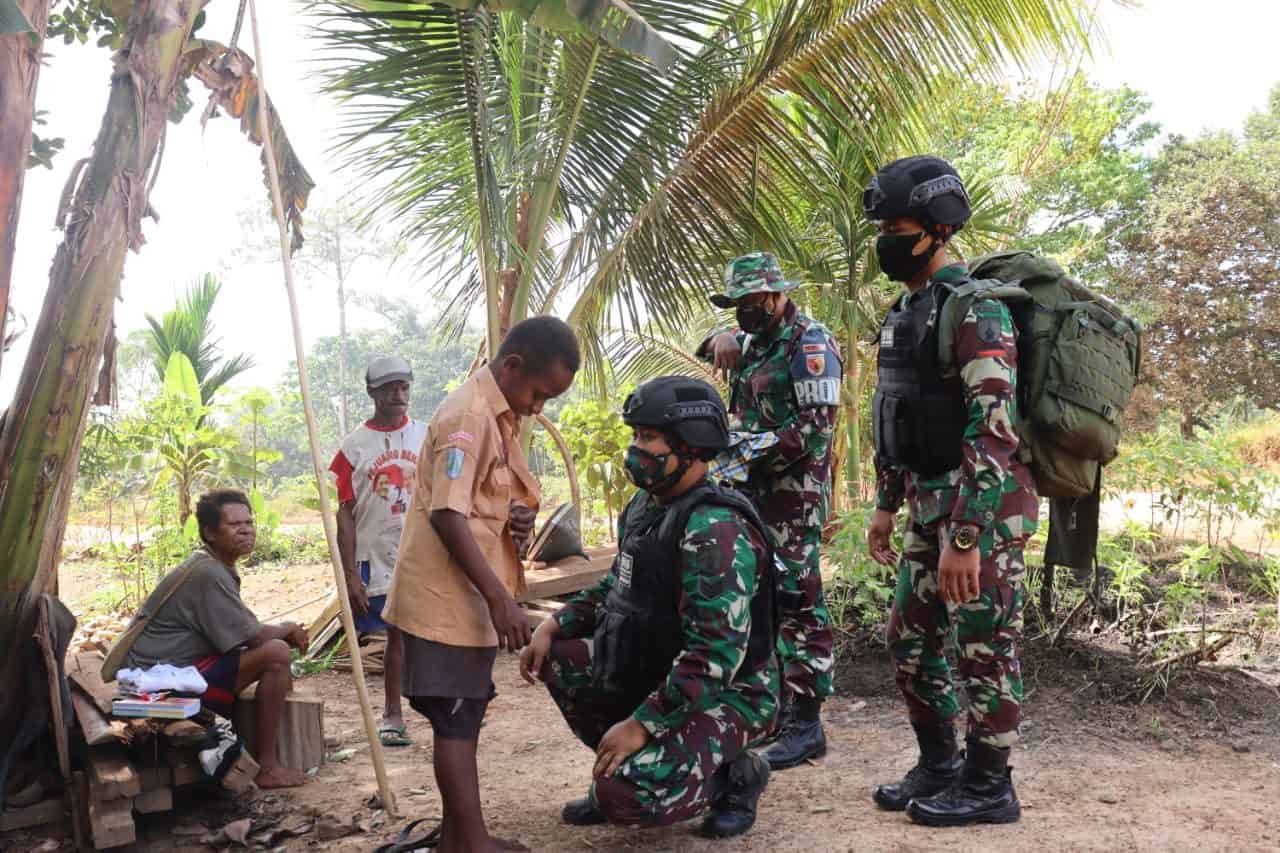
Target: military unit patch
(814,347)
(453,459)
(886,337)
(816,364)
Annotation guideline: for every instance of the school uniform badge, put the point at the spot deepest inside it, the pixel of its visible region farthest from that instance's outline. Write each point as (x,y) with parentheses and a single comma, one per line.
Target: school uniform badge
(453,459)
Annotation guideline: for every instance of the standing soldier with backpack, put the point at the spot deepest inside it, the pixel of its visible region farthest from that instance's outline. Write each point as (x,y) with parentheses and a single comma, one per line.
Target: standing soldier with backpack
(946,443)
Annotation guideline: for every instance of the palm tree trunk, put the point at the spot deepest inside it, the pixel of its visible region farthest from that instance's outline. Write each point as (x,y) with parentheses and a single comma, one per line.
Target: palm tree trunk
(41,432)
(19,73)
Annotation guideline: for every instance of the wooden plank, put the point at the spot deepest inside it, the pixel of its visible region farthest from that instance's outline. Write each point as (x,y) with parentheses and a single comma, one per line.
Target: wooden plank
(150,802)
(44,812)
(97,729)
(300,740)
(184,733)
(324,627)
(564,578)
(188,773)
(111,775)
(57,712)
(85,671)
(153,778)
(112,823)
(80,818)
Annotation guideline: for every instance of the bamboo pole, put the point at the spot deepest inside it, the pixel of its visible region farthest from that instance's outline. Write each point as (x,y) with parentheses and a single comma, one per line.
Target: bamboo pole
(326,515)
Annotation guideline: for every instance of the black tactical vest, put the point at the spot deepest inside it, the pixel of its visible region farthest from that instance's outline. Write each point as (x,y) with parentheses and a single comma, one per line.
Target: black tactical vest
(638,632)
(918,416)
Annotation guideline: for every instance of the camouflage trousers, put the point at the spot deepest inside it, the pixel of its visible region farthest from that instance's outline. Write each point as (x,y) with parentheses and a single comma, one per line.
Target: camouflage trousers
(805,643)
(986,629)
(674,777)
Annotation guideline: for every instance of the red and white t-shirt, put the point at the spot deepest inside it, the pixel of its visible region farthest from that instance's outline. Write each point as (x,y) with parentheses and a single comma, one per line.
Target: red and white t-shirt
(375,467)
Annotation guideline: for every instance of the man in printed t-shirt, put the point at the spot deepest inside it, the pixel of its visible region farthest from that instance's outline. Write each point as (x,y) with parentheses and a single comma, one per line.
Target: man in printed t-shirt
(375,471)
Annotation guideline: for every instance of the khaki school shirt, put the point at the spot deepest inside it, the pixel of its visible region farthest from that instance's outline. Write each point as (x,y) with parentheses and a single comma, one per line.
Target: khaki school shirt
(471,463)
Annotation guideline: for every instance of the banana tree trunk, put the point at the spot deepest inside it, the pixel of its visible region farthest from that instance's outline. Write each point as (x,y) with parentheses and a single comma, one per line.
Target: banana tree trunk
(39,440)
(19,73)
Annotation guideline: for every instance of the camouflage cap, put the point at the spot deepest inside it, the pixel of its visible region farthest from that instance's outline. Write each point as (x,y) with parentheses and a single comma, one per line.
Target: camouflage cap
(757,272)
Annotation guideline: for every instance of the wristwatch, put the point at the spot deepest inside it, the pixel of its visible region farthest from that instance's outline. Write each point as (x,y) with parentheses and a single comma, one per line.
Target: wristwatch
(964,537)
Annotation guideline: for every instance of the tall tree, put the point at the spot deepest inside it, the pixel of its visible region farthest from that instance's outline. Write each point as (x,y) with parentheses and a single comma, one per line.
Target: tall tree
(339,239)
(1204,268)
(41,434)
(188,328)
(537,166)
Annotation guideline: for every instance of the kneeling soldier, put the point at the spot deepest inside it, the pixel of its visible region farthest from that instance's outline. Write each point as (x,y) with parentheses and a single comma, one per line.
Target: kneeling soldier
(666,668)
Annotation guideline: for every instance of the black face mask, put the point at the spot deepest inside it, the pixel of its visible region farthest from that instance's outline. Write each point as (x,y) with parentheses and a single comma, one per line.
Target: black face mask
(894,253)
(753,319)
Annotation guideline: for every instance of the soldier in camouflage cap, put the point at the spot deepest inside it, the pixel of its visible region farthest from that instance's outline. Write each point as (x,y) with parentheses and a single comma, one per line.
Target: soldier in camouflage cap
(946,444)
(666,668)
(784,371)
(757,272)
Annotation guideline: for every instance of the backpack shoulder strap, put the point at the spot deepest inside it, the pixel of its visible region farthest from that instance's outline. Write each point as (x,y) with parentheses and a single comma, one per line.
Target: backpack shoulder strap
(124,643)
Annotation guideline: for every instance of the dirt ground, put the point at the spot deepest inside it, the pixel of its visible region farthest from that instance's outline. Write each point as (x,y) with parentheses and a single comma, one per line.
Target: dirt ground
(1196,770)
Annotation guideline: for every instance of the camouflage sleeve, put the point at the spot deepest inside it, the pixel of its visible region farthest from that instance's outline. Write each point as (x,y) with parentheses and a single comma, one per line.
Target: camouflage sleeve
(577,618)
(891,486)
(703,352)
(986,351)
(807,436)
(721,556)
(815,370)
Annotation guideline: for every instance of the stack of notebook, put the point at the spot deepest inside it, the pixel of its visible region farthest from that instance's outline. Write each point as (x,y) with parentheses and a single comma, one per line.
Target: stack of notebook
(157,705)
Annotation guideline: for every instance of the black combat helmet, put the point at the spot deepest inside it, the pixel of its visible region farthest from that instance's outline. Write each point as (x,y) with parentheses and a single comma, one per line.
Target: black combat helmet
(687,408)
(922,187)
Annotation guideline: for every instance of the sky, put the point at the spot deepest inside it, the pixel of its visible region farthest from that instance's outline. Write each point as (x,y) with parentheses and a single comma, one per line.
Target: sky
(1203,66)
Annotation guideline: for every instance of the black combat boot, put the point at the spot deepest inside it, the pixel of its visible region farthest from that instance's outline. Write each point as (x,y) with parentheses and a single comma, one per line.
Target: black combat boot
(733,812)
(983,793)
(801,738)
(939,765)
(582,812)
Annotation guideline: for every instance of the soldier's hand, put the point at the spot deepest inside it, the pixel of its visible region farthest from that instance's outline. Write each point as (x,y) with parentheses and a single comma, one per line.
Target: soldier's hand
(725,353)
(622,741)
(534,655)
(880,538)
(959,574)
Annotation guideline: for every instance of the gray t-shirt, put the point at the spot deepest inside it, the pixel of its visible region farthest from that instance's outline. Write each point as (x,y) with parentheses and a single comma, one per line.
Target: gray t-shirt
(205,616)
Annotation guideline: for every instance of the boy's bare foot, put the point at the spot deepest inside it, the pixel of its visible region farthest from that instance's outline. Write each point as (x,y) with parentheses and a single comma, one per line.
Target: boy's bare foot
(280,777)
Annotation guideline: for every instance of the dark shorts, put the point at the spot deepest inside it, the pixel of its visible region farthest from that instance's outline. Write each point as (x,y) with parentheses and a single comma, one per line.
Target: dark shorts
(449,685)
(221,672)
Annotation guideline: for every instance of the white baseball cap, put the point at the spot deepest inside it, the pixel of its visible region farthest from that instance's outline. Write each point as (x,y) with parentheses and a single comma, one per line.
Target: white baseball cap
(387,368)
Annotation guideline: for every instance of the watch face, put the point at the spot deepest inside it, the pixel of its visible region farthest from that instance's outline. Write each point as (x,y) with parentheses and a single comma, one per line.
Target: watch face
(964,538)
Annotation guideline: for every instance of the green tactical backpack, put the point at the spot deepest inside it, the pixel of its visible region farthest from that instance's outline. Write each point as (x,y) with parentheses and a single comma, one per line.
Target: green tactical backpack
(1078,362)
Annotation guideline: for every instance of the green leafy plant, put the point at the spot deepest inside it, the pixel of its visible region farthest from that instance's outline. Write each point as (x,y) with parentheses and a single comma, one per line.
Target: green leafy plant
(859,596)
(597,439)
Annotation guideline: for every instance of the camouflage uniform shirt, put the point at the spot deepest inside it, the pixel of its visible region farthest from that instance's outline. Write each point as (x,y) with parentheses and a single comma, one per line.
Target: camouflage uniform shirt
(723,558)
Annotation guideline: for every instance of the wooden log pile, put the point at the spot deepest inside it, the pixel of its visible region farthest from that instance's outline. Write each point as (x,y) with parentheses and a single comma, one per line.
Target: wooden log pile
(133,766)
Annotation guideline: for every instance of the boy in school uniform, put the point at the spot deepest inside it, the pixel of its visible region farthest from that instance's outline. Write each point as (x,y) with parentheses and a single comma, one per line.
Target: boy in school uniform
(452,593)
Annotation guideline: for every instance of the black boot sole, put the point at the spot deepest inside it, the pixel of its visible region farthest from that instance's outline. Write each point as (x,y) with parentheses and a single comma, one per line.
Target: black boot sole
(888,805)
(1006,814)
(795,762)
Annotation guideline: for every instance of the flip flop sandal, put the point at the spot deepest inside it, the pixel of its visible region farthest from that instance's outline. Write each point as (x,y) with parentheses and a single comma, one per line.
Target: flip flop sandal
(394,736)
(407,842)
